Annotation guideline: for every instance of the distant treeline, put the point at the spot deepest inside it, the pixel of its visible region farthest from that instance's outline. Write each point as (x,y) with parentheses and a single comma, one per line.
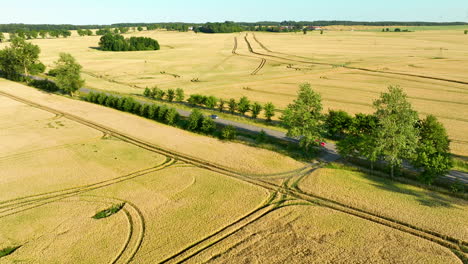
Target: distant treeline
(349,23)
(184,26)
(226,27)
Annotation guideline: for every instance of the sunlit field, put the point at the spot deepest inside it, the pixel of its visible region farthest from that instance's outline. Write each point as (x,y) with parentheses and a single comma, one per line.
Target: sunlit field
(213,64)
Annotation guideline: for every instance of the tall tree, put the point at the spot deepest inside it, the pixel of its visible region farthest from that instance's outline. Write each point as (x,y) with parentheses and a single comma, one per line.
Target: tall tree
(180,94)
(304,119)
(19,59)
(232,105)
(256,109)
(397,135)
(68,73)
(221,105)
(433,151)
(244,105)
(171,95)
(269,111)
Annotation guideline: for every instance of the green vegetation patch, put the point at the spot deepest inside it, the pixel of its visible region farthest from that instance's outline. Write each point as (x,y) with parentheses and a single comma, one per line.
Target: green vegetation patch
(109,211)
(8,250)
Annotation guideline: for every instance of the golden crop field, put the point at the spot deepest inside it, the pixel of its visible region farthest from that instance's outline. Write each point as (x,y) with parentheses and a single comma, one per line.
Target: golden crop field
(349,68)
(64,160)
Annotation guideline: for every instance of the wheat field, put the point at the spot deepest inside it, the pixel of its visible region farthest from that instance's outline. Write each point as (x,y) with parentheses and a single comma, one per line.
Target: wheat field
(290,59)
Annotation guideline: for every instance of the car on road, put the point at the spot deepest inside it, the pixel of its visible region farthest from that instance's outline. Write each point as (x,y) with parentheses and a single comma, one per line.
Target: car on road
(214,116)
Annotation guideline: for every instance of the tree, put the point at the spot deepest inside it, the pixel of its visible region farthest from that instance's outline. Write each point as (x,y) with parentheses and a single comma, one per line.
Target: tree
(244,105)
(359,139)
(466,32)
(304,30)
(81,32)
(140,29)
(303,118)
(228,132)
(180,94)
(256,109)
(211,101)
(337,122)
(20,58)
(207,125)
(147,92)
(195,120)
(232,105)
(153,111)
(144,110)
(433,151)
(221,105)
(396,135)
(159,94)
(68,73)
(172,116)
(171,95)
(269,111)
(43,33)
(2,37)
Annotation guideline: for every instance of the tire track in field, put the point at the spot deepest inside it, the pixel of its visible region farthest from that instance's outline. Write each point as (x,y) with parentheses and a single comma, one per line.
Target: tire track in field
(271,204)
(354,68)
(13,206)
(133,243)
(263,61)
(443,240)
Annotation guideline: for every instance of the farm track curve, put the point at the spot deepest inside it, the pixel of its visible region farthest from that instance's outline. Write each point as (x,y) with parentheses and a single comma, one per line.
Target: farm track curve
(443,240)
(352,68)
(262,60)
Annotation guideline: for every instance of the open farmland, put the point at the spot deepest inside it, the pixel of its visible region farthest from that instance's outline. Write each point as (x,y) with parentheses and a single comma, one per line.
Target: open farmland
(182,202)
(349,68)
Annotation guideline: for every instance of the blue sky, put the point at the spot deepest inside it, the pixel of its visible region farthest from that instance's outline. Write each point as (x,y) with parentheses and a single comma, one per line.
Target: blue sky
(114,11)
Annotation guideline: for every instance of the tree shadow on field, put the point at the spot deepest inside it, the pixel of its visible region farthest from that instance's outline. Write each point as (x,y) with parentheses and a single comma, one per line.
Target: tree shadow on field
(424,197)
(95,48)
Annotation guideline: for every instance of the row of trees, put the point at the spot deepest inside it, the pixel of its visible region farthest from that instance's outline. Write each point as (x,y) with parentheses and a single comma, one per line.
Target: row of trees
(116,42)
(243,106)
(161,113)
(20,60)
(393,134)
(36,34)
(196,122)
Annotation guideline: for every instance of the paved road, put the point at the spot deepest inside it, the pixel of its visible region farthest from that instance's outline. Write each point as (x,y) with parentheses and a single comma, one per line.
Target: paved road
(329,152)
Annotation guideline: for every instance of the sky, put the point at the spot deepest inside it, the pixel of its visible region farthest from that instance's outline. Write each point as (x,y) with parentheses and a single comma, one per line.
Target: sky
(83,12)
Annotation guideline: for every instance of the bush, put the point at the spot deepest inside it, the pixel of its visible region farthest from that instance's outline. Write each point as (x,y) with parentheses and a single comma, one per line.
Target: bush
(228,132)
(207,125)
(147,92)
(210,102)
(108,212)
(45,85)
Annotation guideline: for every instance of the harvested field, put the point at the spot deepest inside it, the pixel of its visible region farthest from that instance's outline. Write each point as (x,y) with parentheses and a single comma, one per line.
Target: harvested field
(407,203)
(349,68)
